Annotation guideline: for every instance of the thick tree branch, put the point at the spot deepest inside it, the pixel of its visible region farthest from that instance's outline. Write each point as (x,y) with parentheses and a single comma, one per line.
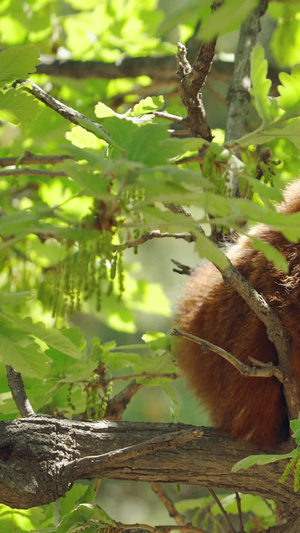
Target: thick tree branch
(161,442)
(238,94)
(16,385)
(37,454)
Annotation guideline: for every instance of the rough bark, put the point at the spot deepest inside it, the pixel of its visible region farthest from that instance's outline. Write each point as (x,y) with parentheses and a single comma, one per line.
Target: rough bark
(41,457)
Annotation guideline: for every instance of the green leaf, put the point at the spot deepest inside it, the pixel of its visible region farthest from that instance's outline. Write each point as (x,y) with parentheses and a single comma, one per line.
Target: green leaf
(15,298)
(84,139)
(23,354)
(17,62)
(288,128)
(148,105)
(92,182)
(265,190)
(98,131)
(272,254)
(290,90)
(18,107)
(260,83)
(206,248)
(260,460)
(76,495)
(150,336)
(121,360)
(179,13)
(17,222)
(295,426)
(285,44)
(84,515)
(103,111)
(55,338)
(226,18)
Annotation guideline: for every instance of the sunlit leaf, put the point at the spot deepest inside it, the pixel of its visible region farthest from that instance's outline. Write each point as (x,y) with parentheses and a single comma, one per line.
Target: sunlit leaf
(260,83)
(18,107)
(290,90)
(226,18)
(17,62)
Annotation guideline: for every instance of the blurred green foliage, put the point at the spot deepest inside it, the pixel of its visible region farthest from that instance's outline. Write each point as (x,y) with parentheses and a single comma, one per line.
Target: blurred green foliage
(75,302)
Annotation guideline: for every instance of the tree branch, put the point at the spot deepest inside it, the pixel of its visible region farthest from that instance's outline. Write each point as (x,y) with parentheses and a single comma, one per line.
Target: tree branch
(224,513)
(156,529)
(265,371)
(161,442)
(148,375)
(67,112)
(16,385)
(32,172)
(37,454)
(192,79)
(238,93)
(117,405)
(154,234)
(169,505)
(31,159)
(160,68)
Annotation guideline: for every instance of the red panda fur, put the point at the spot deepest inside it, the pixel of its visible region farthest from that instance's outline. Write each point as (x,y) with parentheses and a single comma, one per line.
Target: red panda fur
(245,408)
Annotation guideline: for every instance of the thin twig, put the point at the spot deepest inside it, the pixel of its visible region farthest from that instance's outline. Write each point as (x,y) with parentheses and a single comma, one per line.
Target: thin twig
(170,440)
(32,172)
(224,513)
(156,529)
(169,116)
(67,112)
(216,521)
(31,159)
(182,269)
(16,385)
(148,375)
(239,506)
(154,234)
(169,505)
(245,370)
(269,505)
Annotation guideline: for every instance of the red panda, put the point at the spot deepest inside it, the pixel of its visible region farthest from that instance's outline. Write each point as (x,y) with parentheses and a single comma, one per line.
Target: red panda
(248,409)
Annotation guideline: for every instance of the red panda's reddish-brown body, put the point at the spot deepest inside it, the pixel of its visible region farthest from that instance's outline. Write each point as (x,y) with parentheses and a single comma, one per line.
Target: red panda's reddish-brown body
(249,409)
